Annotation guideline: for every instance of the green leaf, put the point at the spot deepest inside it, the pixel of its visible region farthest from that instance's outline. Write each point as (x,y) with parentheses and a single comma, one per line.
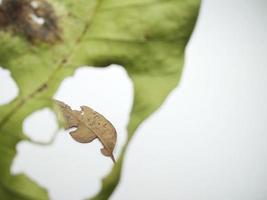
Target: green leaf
(147,37)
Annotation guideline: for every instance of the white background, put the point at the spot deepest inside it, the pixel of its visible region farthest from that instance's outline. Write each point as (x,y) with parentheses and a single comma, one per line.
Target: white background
(208,141)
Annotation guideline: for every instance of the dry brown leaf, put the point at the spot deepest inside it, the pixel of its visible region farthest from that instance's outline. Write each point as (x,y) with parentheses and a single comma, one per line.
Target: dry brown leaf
(90,125)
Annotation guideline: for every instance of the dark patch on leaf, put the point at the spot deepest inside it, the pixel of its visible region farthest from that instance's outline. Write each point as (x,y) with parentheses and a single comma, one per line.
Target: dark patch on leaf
(34,19)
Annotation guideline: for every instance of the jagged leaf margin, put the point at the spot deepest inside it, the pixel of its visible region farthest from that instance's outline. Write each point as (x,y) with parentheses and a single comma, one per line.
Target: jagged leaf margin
(147,37)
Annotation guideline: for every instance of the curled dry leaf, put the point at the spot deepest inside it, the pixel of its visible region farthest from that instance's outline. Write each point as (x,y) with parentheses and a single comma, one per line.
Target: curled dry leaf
(90,125)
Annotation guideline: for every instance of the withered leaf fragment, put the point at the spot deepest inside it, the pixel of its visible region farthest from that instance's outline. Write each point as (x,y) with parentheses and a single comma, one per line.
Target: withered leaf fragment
(90,125)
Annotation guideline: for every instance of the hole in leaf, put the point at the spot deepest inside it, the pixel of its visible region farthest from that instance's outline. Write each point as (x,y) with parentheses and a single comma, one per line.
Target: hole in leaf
(34,4)
(8,87)
(41,125)
(108,91)
(66,163)
(37,20)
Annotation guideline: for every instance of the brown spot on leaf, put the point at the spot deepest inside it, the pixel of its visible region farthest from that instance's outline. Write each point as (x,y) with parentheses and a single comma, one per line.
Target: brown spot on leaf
(34,19)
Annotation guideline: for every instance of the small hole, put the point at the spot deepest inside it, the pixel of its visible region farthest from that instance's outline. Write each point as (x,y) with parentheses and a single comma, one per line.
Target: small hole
(8,87)
(37,20)
(41,125)
(34,4)
(72,129)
